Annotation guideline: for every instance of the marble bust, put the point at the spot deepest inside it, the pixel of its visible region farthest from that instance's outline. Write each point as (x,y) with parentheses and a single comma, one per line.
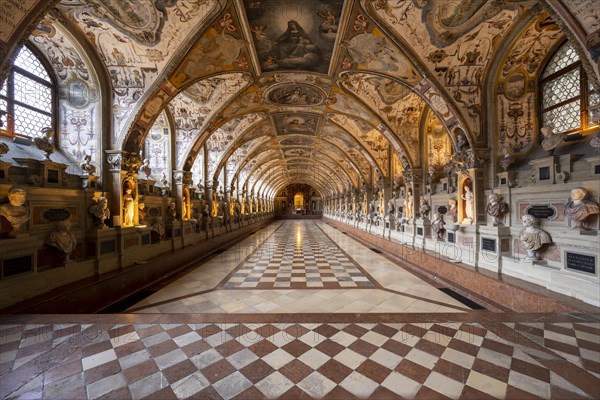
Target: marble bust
(437,226)
(532,237)
(142,213)
(580,207)
(15,211)
(172,212)
(496,208)
(424,208)
(63,239)
(100,213)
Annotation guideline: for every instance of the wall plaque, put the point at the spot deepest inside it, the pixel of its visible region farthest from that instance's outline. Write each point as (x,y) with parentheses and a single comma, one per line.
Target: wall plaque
(420,231)
(176,232)
(442,210)
(153,211)
(53,176)
(17,265)
(488,244)
(451,237)
(597,169)
(544,173)
(145,239)
(580,262)
(541,211)
(56,214)
(107,246)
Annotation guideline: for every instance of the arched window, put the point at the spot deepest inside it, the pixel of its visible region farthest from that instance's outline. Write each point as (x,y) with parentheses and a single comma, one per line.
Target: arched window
(566,92)
(27,97)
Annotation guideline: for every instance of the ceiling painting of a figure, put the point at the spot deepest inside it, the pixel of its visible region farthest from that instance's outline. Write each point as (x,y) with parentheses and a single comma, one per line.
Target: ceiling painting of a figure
(294,36)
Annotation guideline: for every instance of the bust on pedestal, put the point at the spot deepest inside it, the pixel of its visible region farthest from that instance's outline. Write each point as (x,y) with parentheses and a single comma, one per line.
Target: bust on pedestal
(15,212)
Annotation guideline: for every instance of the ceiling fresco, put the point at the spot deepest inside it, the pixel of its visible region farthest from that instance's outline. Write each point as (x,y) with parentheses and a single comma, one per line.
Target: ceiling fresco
(294,36)
(326,91)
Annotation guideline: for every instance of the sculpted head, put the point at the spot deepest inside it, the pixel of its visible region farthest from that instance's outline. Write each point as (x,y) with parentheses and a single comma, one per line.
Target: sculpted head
(494,198)
(578,193)
(103,202)
(64,226)
(16,196)
(529,220)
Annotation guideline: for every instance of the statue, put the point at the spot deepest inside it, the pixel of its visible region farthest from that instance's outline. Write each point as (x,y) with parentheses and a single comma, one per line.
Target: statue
(205,217)
(551,139)
(100,213)
(172,212)
(424,209)
(437,226)
(580,207)
(408,205)
(46,142)
(496,208)
(63,239)
(128,208)
(142,213)
(532,238)
(87,165)
(158,226)
(452,212)
(469,203)
(145,168)
(15,212)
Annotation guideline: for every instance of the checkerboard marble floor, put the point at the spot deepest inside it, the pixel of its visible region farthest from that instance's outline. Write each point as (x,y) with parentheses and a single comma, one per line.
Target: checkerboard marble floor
(201,338)
(320,270)
(462,356)
(299,256)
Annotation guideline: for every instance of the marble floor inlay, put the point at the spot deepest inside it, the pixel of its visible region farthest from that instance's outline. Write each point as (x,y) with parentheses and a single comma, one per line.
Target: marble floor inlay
(298,256)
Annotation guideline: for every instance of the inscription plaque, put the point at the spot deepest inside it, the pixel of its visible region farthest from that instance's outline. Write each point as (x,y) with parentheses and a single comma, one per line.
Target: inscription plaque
(544,173)
(52,176)
(145,239)
(580,262)
(540,211)
(488,244)
(420,231)
(56,214)
(17,265)
(442,210)
(153,211)
(107,246)
(177,232)
(451,237)
(597,169)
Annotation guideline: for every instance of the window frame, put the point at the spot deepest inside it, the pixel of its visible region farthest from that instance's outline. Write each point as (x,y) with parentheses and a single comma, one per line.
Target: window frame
(9,129)
(583,96)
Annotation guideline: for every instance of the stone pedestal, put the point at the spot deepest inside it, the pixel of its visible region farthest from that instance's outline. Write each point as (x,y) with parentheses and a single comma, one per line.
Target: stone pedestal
(466,242)
(103,245)
(19,259)
(493,242)
(174,233)
(129,245)
(422,232)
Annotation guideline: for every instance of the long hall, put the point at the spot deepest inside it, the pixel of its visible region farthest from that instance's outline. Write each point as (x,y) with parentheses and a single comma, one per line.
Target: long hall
(300,309)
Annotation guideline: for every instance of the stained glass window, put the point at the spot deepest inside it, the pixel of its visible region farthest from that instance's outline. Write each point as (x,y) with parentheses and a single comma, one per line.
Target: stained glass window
(27,97)
(565,93)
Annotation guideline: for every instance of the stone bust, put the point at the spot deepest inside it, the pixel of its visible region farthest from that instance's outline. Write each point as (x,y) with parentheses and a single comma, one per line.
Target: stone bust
(424,208)
(532,237)
(496,208)
(15,211)
(579,207)
(63,239)
(100,213)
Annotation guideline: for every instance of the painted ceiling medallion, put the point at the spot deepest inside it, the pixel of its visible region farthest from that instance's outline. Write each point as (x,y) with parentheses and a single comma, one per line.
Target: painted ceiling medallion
(294,35)
(296,123)
(295,94)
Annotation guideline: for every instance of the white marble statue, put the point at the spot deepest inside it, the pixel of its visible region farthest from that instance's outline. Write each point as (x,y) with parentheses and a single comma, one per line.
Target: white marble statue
(532,237)
(469,204)
(408,205)
(15,211)
(100,213)
(579,207)
(63,239)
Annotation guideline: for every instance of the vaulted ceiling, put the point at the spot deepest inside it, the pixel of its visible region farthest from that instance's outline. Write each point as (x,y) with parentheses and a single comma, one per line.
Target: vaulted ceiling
(331,93)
